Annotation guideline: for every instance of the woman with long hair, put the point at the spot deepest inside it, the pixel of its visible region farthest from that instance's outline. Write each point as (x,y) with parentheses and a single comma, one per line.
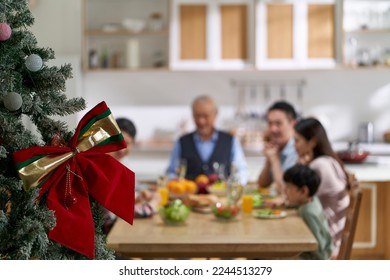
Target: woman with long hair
(314,149)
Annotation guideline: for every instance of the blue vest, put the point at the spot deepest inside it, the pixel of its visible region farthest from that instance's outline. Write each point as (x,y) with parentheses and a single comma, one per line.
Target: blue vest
(222,154)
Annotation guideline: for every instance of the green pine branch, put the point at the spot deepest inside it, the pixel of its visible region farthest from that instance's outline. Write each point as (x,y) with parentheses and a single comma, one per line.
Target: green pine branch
(24,221)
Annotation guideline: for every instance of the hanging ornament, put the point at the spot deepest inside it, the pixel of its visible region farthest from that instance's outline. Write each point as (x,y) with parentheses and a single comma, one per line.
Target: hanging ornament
(34,62)
(70,200)
(12,101)
(5,31)
(57,140)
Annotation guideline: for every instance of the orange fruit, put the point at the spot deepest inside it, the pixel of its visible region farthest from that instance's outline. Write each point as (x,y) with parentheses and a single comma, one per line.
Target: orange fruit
(191,186)
(177,187)
(181,189)
(202,179)
(171,184)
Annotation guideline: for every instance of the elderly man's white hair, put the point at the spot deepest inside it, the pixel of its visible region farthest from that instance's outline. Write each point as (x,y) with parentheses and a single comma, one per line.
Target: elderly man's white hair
(204,99)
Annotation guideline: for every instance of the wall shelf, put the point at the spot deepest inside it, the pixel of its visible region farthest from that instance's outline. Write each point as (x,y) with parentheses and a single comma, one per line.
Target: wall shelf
(124,32)
(123,35)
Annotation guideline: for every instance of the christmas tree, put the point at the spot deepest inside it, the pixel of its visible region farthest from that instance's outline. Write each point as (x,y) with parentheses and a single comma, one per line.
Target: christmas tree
(29,88)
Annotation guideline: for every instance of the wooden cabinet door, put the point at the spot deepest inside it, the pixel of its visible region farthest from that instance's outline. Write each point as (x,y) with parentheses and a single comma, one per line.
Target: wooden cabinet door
(234,30)
(193,31)
(211,34)
(280,31)
(321,31)
(372,232)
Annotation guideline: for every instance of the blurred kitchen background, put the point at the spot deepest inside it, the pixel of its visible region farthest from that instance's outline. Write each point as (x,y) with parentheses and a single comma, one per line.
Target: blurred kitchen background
(155,88)
(148,59)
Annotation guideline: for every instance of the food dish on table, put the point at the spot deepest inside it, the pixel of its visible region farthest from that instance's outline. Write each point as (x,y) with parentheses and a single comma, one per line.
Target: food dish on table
(225,212)
(174,213)
(269,214)
(201,203)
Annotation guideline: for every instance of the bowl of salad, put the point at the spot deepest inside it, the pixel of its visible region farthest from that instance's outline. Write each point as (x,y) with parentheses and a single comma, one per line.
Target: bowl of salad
(174,213)
(225,212)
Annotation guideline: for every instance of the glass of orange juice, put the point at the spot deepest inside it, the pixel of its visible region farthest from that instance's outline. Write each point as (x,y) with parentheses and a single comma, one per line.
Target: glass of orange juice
(164,194)
(247,203)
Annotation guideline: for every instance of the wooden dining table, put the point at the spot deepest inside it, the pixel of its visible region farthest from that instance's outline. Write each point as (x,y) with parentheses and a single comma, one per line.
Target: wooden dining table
(203,235)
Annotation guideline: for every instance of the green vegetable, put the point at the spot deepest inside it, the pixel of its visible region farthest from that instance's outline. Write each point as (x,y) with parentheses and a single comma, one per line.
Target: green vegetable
(265,212)
(257,200)
(174,212)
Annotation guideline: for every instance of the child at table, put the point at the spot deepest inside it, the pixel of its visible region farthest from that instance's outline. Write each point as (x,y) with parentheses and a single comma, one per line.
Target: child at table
(146,201)
(301,185)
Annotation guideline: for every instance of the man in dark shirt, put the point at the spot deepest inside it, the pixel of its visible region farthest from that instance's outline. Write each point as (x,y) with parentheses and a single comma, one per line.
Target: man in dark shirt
(207,147)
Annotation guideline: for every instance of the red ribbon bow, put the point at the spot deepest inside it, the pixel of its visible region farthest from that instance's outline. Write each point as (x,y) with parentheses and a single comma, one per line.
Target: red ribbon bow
(85,172)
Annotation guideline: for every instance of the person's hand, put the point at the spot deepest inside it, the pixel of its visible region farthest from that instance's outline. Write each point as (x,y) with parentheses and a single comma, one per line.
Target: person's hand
(353,182)
(305,159)
(270,150)
(267,136)
(145,195)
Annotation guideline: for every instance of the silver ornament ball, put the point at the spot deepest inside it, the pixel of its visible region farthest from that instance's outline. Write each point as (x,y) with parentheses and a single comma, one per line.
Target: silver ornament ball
(12,101)
(34,62)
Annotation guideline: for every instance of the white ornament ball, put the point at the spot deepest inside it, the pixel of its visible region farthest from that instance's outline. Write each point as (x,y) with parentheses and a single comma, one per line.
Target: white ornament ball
(12,101)
(34,62)
(5,31)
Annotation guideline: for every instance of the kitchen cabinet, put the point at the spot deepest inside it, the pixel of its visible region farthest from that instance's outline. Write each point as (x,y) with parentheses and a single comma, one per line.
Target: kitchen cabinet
(373,227)
(125,34)
(234,34)
(295,34)
(223,34)
(366,30)
(211,34)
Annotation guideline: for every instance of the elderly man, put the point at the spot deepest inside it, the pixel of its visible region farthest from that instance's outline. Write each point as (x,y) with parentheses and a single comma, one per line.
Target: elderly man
(206,148)
(279,147)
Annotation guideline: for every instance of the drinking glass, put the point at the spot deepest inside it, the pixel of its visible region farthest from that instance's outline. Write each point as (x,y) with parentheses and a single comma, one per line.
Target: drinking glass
(163,190)
(164,194)
(182,168)
(247,203)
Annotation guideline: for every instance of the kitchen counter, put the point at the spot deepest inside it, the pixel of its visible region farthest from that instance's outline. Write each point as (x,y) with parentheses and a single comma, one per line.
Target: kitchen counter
(377,149)
(151,164)
(370,171)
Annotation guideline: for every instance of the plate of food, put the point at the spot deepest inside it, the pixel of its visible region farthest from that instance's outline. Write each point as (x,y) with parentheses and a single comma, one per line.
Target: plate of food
(269,214)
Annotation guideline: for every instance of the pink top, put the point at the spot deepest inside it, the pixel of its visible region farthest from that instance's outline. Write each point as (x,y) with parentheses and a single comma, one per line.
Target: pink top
(333,196)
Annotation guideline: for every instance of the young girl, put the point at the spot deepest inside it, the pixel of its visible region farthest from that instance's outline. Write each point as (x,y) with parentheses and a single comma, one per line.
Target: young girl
(314,149)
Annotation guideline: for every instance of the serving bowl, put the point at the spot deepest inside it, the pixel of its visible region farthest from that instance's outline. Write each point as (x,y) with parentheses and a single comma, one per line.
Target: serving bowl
(218,188)
(133,25)
(225,212)
(174,213)
(353,156)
